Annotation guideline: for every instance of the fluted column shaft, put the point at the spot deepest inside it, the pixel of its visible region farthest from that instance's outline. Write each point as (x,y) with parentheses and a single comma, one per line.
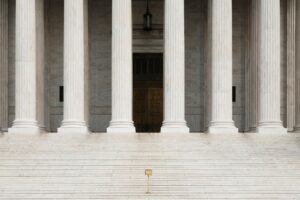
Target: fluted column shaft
(221,64)
(121,67)
(254,63)
(27,64)
(174,68)
(291,44)
(269,114)
(4,64)
(297,89)
(40,63)
(75,67)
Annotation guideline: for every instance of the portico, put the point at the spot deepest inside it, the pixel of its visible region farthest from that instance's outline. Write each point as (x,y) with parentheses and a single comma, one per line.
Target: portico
(203,69)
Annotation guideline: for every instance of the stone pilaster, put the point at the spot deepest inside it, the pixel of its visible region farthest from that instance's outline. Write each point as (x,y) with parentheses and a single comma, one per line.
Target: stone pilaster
(269,64)
(121,67)
(4,64)
(221,64)
(75,67)
(297,89)
(291,31)
(27,47)
(174,68)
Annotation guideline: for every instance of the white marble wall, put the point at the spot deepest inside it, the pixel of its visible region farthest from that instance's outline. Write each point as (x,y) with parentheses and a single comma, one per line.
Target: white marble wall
(100,59)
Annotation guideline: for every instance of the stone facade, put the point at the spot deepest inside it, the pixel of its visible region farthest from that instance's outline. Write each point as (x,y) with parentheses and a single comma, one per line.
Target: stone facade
(197,96)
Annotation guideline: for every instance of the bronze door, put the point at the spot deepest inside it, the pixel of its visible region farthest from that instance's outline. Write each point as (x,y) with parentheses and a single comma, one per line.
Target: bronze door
(147,92)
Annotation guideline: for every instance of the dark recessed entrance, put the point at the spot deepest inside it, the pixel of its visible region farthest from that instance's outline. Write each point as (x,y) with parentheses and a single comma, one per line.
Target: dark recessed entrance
(148,91)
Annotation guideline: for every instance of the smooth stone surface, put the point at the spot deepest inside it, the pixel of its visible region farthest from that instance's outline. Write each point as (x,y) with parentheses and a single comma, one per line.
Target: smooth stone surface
(115,129)
(271,130)
(185,166)
(25,130)
(222,130)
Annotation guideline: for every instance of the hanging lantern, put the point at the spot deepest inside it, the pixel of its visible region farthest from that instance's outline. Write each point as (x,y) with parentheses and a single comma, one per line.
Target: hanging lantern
(148,19)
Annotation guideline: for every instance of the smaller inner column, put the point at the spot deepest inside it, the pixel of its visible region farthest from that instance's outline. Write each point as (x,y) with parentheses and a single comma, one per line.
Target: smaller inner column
(4,64)
(297,103)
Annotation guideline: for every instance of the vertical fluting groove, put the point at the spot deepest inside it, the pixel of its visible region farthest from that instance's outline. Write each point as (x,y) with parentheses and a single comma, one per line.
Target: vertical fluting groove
(75,65)
(291,41)
(174,66)
(297,64)
(121,67)
(4,64)
(269,100)
(221,63)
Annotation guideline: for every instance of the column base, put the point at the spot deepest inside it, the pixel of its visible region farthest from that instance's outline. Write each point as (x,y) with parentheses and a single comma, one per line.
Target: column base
(73,127)
(271,128)
(222,128)
(253,129)
(174,127)
(121,127)
(297,129)
(25,127)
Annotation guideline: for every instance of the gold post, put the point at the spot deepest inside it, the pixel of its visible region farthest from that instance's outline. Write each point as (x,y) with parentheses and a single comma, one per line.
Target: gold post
(148,173)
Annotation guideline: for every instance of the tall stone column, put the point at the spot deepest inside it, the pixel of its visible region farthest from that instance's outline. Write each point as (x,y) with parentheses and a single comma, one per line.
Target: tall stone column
(40,63)
(297,105)
(29,45)
(121,68)
(4,64)
(269,114)
(254,63)
(221,64)
(75,67)
(291,44)
(174,68)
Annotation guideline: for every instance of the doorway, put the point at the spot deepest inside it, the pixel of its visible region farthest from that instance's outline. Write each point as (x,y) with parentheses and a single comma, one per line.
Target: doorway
(148,91)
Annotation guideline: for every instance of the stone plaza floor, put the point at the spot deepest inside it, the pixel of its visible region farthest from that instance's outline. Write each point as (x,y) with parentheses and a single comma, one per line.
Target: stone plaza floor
(185,166)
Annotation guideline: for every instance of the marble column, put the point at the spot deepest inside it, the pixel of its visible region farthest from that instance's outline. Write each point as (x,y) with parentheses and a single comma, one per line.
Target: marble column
(28,43)
(291,36)
(297,105)
(254,63)
(4,64)
(122,90)
(174,68)
(269,100)
(40,64)
(76,110)
(221,64)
